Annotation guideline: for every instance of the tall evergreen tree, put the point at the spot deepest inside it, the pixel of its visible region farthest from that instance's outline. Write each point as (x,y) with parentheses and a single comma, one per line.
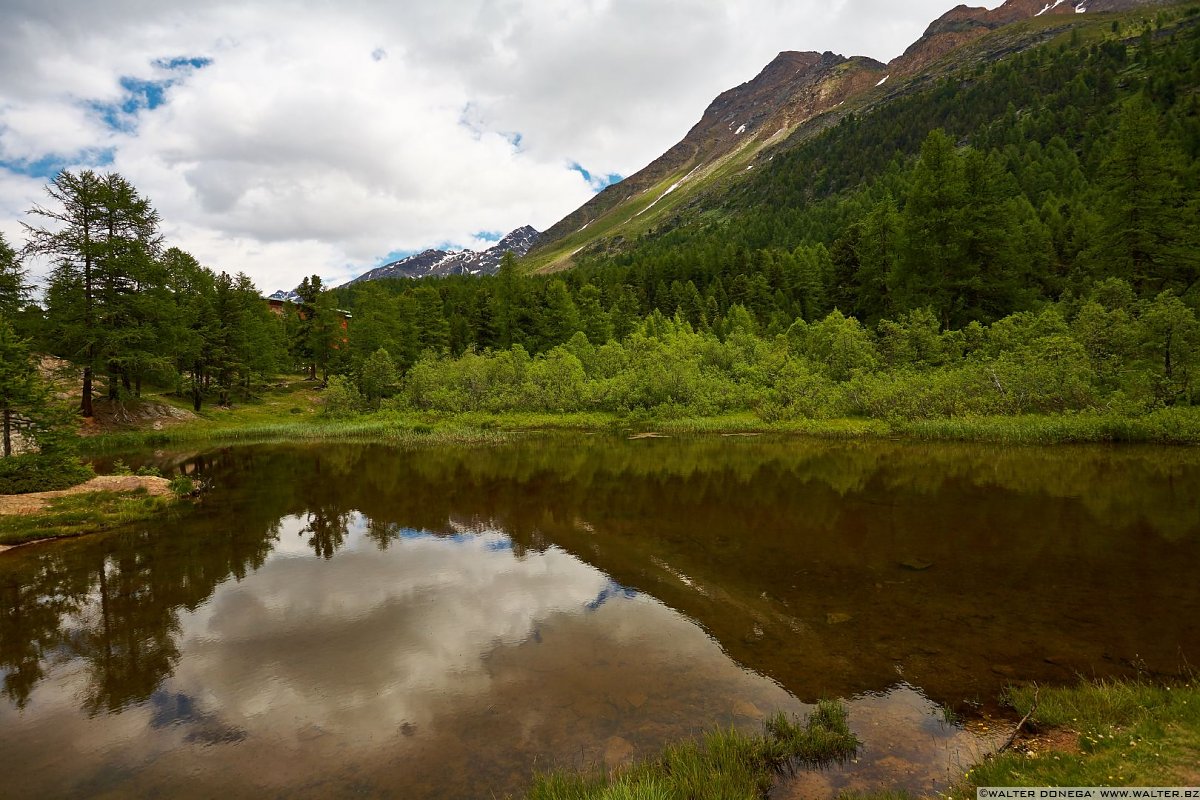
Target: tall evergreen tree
(303,339)
(433,332)
(13,289)
(1147,231)
(507,299)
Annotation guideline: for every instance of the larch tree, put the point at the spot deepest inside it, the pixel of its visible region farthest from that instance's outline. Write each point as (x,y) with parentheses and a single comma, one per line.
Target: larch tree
(101,236)
(1146,229)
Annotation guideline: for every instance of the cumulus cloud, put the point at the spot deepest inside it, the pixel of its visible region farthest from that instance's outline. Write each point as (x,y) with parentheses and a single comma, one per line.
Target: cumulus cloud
(284,138)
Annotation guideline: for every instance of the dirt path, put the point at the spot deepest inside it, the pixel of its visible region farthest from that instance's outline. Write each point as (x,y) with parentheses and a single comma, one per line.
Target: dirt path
(35,501)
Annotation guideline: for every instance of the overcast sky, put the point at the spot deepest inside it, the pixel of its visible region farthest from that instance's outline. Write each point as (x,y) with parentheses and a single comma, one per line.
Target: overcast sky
(283,139)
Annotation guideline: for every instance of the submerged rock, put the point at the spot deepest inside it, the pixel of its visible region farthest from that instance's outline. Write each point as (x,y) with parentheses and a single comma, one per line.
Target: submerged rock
(617,750)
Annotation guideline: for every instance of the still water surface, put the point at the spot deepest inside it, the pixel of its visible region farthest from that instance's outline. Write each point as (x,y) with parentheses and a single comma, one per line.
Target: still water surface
(368,621)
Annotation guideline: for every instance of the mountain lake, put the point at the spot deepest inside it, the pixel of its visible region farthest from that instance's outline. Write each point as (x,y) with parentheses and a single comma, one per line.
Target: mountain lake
(364,620)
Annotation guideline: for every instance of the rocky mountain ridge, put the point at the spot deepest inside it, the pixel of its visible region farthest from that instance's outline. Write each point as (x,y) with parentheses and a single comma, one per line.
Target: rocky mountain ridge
(456,262)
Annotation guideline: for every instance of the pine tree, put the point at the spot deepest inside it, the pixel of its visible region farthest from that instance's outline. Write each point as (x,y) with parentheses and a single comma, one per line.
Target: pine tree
(433,331)
(303,339)
(507,298)
(559,315)
(593,319)
(933,258)
(192,323)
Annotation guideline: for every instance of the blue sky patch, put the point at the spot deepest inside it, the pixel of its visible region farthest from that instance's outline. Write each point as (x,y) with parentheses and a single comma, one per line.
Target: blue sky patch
(396,255)
(140,93)
(48,166)
(489,236)
(183,62)
(597,182)
(143,94)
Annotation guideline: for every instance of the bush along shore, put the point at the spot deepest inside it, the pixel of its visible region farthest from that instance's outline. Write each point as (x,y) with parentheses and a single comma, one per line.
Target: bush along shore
(1176,426)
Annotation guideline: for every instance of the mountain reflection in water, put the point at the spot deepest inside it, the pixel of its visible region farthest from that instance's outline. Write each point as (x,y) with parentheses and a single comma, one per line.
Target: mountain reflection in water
(432,623)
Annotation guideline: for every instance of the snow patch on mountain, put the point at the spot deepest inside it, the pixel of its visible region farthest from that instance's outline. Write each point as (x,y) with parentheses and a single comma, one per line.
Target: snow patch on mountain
(1051,7)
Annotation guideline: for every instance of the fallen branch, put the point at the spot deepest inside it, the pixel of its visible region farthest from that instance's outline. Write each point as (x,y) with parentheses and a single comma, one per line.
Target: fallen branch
(1017,730)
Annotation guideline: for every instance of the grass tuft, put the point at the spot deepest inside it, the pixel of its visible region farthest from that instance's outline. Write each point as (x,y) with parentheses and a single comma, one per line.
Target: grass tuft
(725,764)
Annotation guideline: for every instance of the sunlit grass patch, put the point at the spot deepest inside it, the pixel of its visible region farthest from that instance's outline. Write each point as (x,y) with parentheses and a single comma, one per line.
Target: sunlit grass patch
(1130,733)
(78,514)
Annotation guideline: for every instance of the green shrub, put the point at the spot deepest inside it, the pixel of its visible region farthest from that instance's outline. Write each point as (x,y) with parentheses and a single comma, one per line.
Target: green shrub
(341,397)
(33,472)
(182,486)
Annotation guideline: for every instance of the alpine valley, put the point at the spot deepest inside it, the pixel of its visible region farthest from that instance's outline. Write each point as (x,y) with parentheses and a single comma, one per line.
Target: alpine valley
(527,522)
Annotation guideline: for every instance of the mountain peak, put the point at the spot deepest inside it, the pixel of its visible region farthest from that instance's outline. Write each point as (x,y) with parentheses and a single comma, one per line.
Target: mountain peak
(794,87)
(456,262)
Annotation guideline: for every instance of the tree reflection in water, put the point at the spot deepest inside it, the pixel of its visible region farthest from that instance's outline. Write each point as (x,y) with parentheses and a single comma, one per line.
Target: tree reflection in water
(763,542)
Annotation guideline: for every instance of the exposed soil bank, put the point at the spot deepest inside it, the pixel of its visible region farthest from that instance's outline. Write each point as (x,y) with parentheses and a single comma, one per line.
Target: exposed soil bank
(105,488)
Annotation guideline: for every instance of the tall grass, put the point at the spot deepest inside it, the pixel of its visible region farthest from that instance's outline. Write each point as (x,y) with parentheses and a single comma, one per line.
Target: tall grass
(1165,426)
(274,419)
(357,429)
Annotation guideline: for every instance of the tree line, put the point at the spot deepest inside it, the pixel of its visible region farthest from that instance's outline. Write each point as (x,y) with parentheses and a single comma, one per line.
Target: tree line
(123,310)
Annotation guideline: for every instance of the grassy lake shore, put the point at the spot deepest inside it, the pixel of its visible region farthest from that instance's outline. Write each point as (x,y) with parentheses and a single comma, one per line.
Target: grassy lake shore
(102,503)
(277,417)
(1097,733)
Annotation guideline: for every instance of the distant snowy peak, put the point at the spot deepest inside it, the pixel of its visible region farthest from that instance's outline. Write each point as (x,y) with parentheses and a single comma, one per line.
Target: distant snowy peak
(456,262)
(285,296)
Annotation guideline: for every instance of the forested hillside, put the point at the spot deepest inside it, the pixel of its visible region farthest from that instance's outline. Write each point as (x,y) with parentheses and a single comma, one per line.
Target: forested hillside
(1040,210)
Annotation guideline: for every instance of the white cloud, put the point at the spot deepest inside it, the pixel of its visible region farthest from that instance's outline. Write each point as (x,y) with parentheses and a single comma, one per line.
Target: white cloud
(321,138)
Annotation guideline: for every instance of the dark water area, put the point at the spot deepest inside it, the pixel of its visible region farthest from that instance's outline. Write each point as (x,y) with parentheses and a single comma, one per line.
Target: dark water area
(378,622)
